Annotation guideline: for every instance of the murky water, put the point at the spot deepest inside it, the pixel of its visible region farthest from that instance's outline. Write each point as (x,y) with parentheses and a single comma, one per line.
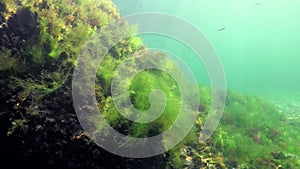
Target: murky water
(257,41)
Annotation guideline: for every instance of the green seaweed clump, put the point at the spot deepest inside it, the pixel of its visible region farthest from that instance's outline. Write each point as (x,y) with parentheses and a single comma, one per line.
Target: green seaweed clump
(252,130)
(40,43)
(40,40)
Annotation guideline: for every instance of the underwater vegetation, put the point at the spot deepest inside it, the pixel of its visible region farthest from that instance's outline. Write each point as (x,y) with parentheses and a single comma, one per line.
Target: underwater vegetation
(40,43)
(253,131)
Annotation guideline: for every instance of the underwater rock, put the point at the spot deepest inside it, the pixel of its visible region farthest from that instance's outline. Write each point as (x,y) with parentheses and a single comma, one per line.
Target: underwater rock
(41,129)
(197,158)
(23,23)
(2,8)
(18,29)
(201,107)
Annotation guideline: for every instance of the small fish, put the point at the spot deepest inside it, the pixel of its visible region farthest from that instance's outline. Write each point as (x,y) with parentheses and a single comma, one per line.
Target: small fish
(258,3)
(221,29)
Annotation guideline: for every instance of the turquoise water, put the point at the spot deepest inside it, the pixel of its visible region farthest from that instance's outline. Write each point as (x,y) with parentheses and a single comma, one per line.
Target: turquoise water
(258,43)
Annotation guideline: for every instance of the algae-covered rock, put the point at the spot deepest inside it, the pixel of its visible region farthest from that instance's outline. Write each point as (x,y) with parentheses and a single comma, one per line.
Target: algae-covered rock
(40,42)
